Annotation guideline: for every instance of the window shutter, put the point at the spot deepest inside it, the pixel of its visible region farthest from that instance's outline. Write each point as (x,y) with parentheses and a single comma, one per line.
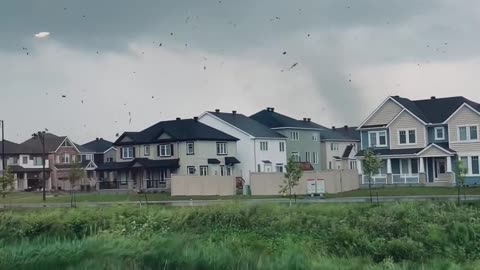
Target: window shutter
(134,154)
(121,153)
(158,150)
(171,149)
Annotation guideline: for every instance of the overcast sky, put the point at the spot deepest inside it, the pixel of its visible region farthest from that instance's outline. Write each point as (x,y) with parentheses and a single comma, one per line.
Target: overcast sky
(124,65)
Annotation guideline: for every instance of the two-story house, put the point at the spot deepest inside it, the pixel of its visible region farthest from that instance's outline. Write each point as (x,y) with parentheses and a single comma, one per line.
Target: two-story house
(260,149)
(303,139)
(419,140)
(147,159)
(338,150)
(100,151)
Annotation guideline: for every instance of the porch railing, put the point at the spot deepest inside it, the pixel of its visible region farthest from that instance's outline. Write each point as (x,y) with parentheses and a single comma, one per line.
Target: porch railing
(156,183)
(376,179)
(405,178)
(109,184)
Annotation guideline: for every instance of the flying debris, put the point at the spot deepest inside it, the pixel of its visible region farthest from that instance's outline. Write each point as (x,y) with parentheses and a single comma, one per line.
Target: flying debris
(284,53)
(116,134)
(294,65)
(64,96)
(42,34)
(160,45)
(204,67)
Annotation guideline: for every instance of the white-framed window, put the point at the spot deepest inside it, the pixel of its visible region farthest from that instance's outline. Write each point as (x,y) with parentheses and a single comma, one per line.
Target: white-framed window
(353,164)
(38,161)
(110,159)
(465,162)
(127,152)
(315,157)
(377,138)
(407,136)
(296,156)
(203,170)
(165,150)
(279,167)
(330,165)
(471,164)
(191,170)
(24,159)
(146,150)
(334,146)
(190,148)
(65,158)
(467,133)
(87,157)
(222,170)
(294,136)
(314,137)
(475,165)
(308,156)
(408,166)
(264,146)
(229,170)
(439,133)
(221,148)
(281,146)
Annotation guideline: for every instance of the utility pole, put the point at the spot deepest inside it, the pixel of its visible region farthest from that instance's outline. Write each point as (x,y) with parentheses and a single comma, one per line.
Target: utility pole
(41,136)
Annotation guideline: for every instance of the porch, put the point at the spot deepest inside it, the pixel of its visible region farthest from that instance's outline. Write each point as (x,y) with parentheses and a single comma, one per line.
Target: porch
(434,171)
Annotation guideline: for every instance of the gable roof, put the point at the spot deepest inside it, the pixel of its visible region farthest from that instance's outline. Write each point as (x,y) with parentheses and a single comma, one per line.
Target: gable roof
(435,110)
(272,119)
(98,145)
(350,132)
(52,142)
(334,135)
(348,151)
(248,125)
(179,130)
(11,147)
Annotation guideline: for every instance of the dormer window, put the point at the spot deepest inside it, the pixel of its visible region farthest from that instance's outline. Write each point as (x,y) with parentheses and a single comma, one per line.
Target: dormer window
(439,133)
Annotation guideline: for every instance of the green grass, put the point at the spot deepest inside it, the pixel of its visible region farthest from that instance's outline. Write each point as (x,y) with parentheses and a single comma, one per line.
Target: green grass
(406,191)
(236,236)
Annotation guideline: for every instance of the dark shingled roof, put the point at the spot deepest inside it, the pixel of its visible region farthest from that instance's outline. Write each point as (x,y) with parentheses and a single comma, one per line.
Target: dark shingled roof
(334,135)
(178,130)
(11,148)
(348,151)
(18,168)
(350,132)
(213,161)
(231,161)
(143,162)
(248,125)
(273,119)
(52,142)
(435,110)
(98,145)
(391,152)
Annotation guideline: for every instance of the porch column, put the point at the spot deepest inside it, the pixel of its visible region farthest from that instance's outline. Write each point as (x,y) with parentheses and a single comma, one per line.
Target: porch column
(422,166)
(15,182)
(129,179)
(449,164)
(389,166)
(359,166)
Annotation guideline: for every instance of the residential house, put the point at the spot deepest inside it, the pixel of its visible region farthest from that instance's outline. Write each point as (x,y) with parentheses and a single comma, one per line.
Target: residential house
(338,149)
(26,166)
(303,139)
(147,159)
(100,151)
(419,140)
(260,149)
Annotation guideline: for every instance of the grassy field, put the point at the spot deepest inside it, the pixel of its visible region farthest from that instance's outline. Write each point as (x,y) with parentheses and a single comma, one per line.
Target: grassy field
(235,236)
(32,198)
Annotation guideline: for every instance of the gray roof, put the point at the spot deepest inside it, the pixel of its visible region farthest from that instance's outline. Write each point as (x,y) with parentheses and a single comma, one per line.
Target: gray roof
(98,145)
(350,132)
(273,119)
(52,142)
(248,125)
(334,135)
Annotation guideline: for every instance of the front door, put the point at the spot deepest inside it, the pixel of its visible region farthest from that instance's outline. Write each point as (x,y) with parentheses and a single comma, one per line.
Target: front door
(440,167)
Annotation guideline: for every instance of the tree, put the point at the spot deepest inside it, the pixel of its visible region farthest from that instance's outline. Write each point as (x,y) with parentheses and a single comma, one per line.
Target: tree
(460,171)
(371,165)
(6,182)
(76,173)
(292,177)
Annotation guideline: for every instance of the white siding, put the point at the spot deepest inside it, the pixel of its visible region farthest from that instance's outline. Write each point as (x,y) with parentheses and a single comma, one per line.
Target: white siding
(463,117)
(273,154)
(330,154)
(385,114)
(433,151)
(407,121)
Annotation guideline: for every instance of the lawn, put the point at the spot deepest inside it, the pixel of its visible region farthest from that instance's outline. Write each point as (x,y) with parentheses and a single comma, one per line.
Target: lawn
(397,236)
(406,191)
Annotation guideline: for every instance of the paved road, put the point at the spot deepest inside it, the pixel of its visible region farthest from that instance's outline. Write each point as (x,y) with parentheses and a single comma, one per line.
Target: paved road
(186,203)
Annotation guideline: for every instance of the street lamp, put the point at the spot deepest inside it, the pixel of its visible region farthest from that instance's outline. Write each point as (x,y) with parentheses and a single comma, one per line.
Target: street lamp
(41,136)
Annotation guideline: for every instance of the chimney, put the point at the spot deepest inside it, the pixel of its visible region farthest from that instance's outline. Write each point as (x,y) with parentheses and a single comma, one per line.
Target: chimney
(268,109)
(309,119)
(304,119)
(272,109)
(195,119)
(234,112)
(96,139)
(333,127)
(432,97)
(178,118)
(217,110)
(345,127)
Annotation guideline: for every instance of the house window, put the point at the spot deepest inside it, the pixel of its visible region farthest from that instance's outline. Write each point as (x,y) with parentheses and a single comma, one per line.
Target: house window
(330,165)
(314,137)
(15,160)
(475,165)
(221,148)
(468,133)
(279,167)
(307,156)
(24,159)
(88,157)
(439,133)
(190,148)
(165,150)
(315,157)
(464,160)
(263,146)
(65,158)
(407,136)
(37,161)
(259,168)
(66,143)
(334,146)
(377,138)
(229,170)
(109,159)
(353,164)
(222,170)
(127,152)
(282,146)
(294,136)
(203,170)
(191,170)
(296,156)
(146,150)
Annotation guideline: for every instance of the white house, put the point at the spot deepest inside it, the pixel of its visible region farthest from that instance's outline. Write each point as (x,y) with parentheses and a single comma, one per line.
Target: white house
(259,148)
